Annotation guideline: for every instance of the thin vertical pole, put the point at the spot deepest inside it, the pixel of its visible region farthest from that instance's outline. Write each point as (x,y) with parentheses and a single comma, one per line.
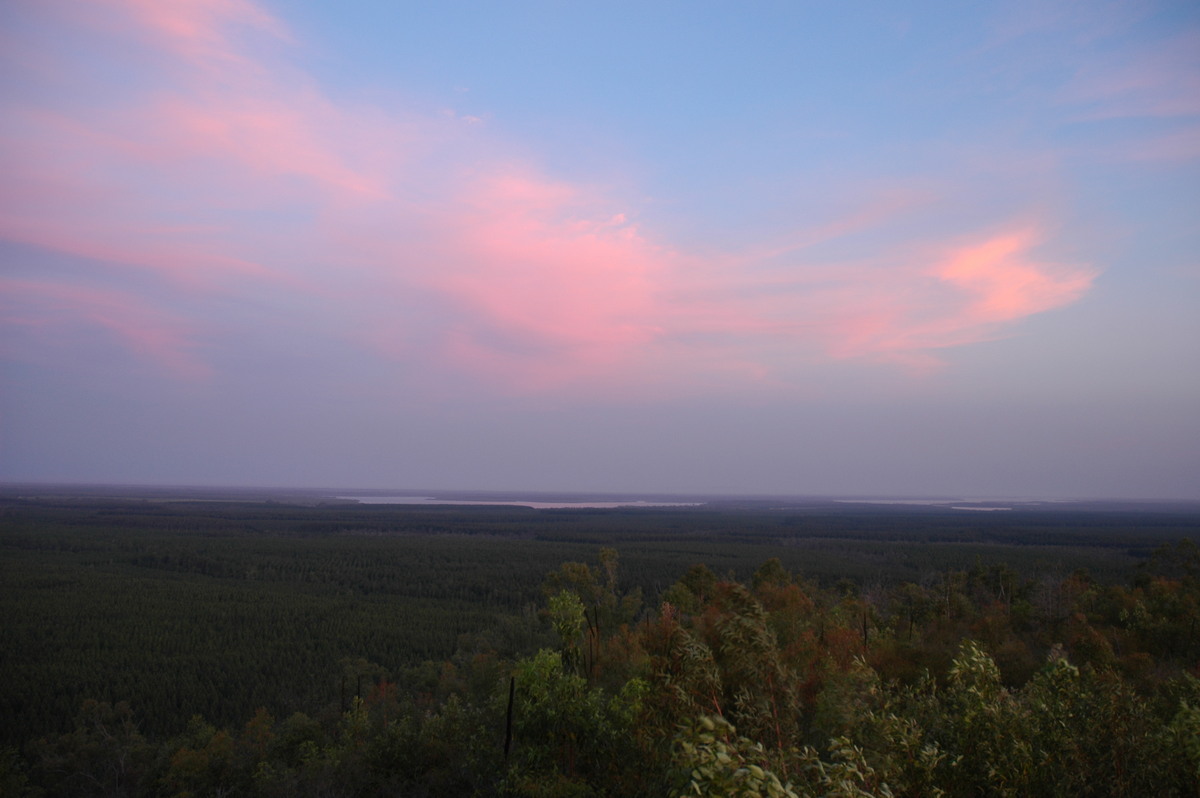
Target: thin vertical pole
(512,689)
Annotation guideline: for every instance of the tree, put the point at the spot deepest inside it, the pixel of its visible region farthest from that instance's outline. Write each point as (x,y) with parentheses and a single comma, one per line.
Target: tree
(105,755)
(712,760)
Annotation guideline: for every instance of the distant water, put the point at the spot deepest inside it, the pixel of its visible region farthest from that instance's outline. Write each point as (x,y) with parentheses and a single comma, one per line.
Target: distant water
(534,504)
(953,504)
(983,509)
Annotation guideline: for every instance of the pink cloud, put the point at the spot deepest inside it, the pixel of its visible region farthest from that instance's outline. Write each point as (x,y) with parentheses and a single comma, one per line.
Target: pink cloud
(1159,82)
(587,286)
(898,309)
(68,212)
(534,284)
(201,23)
(413,235)
(973,292)
(882,207)
(156,182)
(53,308)
(201,33)
(1005,284)
(274,138)
(160,250)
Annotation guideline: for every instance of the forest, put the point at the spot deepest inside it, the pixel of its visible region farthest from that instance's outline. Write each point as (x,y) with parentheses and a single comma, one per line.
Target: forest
(307,647)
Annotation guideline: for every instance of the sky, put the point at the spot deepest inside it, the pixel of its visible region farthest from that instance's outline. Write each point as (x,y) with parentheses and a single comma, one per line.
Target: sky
(852,249)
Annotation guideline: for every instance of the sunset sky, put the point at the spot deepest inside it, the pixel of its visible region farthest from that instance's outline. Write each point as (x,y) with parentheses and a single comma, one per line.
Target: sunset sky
(862,248)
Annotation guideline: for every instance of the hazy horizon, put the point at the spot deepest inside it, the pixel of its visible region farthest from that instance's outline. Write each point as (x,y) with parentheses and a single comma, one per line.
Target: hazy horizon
(530,497)
(867,250)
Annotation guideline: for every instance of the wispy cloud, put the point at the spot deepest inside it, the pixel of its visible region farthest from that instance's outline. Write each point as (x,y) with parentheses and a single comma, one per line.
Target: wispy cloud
(67,314)
(1162,80)
(1004,283)
(1125,73)
(905,306)
(231,172)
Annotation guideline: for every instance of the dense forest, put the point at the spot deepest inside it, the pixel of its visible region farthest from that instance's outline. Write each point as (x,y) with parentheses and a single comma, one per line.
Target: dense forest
(190,648)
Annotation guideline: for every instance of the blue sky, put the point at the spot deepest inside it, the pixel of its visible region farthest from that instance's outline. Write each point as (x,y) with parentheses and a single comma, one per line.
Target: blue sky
(852,249)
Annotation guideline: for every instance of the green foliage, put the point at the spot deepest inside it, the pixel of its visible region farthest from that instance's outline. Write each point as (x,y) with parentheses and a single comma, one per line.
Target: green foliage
(685,678)
(983,726)
(567,617)
(758,689)
(770,574)
(568,734)
(14,776)
(714,761)
(104,755)
(1183,736)
(397,630)
(845,775)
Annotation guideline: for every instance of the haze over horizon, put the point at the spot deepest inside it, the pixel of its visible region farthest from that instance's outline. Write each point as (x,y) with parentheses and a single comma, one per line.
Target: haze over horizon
(655,248)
